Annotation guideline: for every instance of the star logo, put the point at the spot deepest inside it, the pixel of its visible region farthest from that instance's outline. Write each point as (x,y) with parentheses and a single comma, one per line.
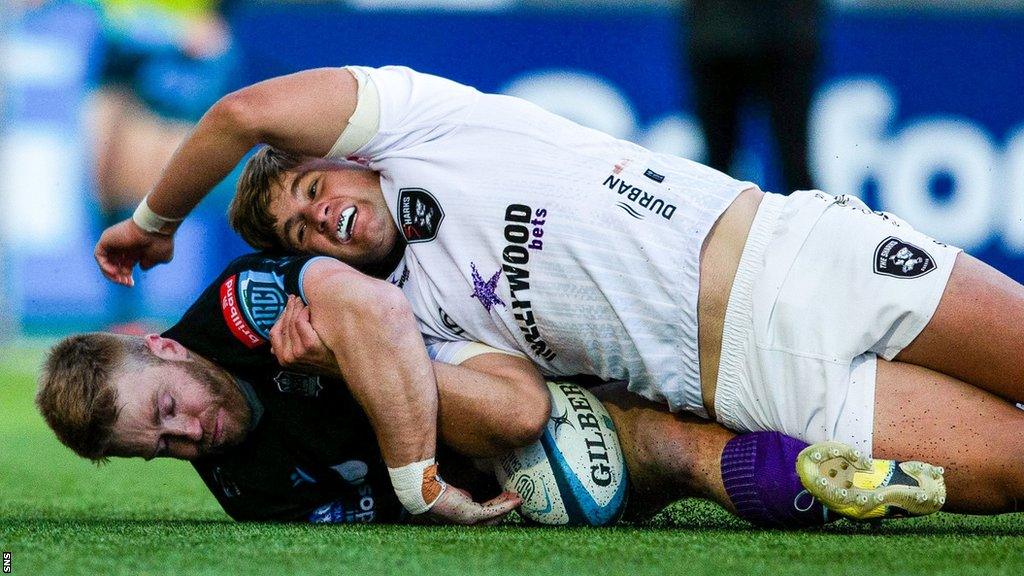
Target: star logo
(562,420)
(485,291)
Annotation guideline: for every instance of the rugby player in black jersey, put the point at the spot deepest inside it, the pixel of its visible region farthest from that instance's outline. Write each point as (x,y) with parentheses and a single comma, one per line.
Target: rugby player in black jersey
(279,444)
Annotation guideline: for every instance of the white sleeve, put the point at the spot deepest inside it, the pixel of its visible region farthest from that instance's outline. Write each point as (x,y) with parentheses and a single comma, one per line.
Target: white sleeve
(409,107)
(365,120)
(459,351)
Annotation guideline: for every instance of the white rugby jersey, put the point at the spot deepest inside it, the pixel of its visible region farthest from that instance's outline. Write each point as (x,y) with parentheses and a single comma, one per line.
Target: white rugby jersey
(528,232)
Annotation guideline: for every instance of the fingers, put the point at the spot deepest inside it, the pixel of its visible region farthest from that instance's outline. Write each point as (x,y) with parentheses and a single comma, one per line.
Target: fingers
(292,338)
(280,336)
(124,245)
(114,269)
(308,335)
(501,505)
(456,506)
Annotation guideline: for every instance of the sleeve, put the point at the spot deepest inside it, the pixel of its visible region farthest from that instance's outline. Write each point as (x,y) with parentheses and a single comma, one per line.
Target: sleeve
(457,352)
(412,108)
(230,322)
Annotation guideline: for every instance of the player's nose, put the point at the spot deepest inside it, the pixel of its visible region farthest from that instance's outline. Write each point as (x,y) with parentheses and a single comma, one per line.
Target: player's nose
(188,428)
(318,213)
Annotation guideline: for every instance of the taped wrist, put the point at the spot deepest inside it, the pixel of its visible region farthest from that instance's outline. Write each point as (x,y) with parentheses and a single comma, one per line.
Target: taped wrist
(150,221)
(417,485)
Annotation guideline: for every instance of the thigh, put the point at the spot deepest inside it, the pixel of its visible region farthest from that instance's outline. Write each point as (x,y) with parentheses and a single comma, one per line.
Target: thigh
(921,414)
(977,332)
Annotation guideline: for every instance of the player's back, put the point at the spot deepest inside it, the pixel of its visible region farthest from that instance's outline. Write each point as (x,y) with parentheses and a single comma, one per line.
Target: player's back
(527,231)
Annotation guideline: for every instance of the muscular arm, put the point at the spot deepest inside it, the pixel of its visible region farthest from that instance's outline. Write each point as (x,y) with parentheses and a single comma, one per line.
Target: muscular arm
(491,404)
(302,113)
(368,326)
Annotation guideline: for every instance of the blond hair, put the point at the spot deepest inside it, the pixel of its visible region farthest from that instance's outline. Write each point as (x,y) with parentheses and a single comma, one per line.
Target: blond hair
(76,394)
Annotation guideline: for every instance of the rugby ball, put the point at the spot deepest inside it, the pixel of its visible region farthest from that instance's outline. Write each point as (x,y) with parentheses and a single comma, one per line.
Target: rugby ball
(575,475)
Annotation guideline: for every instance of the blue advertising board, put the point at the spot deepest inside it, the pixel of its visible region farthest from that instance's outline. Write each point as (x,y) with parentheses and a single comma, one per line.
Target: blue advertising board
(919,114)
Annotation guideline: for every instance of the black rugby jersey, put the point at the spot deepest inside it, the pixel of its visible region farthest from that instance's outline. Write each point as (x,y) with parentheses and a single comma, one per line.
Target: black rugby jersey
(313,454)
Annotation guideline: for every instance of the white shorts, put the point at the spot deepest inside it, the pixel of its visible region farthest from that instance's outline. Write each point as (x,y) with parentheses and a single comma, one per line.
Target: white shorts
(823,287)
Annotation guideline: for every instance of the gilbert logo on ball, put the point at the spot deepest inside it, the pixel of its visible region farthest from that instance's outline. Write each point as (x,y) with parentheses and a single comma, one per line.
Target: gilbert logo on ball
(575,475)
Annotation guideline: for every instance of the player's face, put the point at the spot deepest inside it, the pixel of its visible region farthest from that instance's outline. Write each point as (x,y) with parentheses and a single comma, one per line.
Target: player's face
(336,210)
(183,407)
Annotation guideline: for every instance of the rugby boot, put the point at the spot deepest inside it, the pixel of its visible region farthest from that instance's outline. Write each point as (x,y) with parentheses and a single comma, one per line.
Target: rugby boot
(862,488)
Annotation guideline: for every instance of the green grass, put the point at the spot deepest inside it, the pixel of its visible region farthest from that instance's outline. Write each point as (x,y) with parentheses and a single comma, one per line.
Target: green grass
(62,515)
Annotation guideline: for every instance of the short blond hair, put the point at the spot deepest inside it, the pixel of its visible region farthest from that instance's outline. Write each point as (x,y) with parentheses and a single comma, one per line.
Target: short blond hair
(249,212)
(76,394)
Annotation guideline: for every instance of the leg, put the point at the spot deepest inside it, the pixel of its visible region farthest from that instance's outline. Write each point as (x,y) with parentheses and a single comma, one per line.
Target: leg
(669,456)
(920,413)
(675,456)
(977,332)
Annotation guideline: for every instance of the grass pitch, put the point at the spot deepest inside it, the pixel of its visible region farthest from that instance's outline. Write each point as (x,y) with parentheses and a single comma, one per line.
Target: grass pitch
(62,515)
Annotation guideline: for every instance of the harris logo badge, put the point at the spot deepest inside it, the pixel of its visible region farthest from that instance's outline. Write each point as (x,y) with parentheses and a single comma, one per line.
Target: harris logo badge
(419,215)
(898,259)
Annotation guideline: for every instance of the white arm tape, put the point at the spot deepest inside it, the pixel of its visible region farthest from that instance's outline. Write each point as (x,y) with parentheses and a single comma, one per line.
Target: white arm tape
(365,120)
(150,221)
(408,484)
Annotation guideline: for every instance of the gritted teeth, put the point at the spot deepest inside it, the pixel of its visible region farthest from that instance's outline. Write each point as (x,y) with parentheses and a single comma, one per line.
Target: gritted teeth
(345,223)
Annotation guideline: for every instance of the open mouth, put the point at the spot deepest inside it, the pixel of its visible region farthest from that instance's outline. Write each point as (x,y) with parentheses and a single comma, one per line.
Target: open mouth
(346,223)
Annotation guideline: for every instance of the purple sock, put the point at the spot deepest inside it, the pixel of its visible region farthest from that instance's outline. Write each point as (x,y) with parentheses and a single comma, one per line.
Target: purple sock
(759,471)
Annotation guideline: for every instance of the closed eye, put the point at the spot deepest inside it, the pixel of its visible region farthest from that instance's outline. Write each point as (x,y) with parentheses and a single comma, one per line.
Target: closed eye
(167,406)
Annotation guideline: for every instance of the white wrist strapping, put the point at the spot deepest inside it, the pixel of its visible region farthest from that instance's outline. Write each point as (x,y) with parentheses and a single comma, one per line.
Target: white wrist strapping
(152,222)
(415,483)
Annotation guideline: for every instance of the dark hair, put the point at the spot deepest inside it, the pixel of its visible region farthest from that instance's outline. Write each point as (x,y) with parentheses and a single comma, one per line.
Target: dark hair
(249,213)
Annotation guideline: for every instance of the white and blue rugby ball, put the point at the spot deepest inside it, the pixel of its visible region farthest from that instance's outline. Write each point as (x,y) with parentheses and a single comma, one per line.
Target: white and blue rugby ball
(575,475)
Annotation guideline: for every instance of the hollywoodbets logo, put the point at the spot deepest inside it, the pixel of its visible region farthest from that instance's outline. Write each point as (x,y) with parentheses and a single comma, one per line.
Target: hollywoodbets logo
(419,215)
(524,231)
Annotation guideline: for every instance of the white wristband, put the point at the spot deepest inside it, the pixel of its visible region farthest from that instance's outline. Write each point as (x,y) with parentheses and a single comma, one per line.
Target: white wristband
(416,483)
(152,222)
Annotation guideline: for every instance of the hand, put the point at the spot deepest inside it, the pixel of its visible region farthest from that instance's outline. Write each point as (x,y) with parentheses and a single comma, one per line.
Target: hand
(124,245)
(297,345)
(456,506)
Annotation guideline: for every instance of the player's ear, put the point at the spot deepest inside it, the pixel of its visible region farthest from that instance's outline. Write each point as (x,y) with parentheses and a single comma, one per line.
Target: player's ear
(165,348)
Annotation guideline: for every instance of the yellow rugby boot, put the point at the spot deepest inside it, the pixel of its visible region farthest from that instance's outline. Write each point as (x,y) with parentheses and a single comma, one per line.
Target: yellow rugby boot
(861,488)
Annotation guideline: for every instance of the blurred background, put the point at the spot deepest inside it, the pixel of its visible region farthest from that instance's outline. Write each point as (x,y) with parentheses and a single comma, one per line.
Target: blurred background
(915,106)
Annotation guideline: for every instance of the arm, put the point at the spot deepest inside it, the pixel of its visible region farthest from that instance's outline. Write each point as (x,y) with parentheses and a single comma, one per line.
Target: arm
(491,404)
(369,327)
(302,113)
(370,330)
(488,404)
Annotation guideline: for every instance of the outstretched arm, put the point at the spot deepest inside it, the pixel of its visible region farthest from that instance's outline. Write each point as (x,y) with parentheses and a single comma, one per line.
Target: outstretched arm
(302,113)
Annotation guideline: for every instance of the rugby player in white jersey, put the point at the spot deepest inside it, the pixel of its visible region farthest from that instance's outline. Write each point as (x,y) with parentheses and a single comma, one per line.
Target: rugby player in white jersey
(808,315)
